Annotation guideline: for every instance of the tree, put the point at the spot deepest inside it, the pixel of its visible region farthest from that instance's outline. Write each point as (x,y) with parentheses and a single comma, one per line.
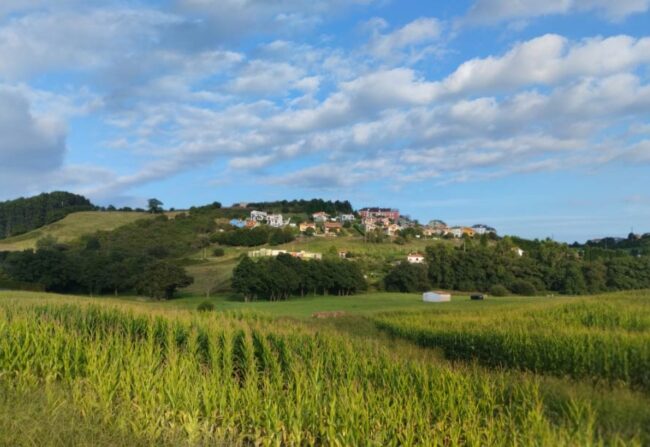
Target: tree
(155,206)
(407,278)
(161,279)
(246,279)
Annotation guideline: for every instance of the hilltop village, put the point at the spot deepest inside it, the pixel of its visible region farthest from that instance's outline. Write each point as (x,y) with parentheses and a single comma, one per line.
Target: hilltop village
(380,221)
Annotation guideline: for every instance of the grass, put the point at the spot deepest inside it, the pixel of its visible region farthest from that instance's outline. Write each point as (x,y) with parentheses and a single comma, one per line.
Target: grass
(72,227)
(82,371)
(357,245)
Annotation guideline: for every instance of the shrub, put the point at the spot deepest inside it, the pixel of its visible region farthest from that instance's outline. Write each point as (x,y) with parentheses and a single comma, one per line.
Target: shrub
(218,252)
(522,287)
(205,306)
(498,290)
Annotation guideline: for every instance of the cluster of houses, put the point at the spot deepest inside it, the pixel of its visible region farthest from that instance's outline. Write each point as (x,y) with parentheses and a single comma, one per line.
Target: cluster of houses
(320,222)
(390,222)
(261,217)
(386,220)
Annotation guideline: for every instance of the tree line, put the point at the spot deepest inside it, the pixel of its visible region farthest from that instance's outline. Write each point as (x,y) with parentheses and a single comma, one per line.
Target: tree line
(244,237)
(141,257)
(283,276)
(546,266)
(26,214)
(94,272)
(305,206)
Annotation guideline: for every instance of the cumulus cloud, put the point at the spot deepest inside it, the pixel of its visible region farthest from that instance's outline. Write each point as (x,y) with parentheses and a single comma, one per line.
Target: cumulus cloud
(31,148)
(28,144)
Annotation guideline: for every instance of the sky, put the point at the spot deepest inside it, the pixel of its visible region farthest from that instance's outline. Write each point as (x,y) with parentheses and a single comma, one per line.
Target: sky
(530,116)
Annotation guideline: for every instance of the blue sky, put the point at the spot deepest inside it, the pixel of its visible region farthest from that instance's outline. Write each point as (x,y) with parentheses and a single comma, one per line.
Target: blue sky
(533,117)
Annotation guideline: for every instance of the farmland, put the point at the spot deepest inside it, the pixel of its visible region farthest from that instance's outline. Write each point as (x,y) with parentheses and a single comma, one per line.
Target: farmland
(130,372)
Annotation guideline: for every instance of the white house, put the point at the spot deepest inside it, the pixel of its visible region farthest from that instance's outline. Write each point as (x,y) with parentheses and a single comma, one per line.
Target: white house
(456,232)
(258,216)
(481,229)
(320,216)
(347,217)
(275,220)
(519,251)
(415,258)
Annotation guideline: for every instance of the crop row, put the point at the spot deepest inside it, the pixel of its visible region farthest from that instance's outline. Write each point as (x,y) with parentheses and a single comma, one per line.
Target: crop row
(243,380)
(585,339)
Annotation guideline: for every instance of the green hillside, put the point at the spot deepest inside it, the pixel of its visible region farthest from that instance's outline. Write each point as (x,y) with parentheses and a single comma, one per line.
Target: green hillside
(22,215)
(72,227)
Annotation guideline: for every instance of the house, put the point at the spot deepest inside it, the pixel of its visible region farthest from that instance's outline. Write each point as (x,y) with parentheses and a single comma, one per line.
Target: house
(303,227)
(481,229)
(388,213)
(406,222)
(459,232)
(347,217)
(343,254)
(393,229)
(332,227)
(239,223)
(320,216)
(306,255)
(519,251)
(415,258)
(467,231)
(430,232)
(258,216)
(251,223)
(275,220)
(456,232)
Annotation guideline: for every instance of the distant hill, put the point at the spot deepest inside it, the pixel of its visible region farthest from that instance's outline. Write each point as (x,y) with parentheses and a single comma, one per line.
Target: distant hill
(73,227)
(22,215)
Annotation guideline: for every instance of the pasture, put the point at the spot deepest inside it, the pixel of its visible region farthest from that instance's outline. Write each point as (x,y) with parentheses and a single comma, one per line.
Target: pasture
(72,227)
(392,371)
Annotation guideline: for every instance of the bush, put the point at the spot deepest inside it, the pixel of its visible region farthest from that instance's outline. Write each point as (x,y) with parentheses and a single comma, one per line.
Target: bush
(498,290)
(205,306)
(524,288)
(218,252)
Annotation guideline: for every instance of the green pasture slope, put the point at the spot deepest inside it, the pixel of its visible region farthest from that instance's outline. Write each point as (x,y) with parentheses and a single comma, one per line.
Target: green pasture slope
(391,371)
(73,227)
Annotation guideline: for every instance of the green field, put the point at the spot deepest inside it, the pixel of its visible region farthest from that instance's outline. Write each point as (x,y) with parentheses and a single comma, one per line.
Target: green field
(391,370)
(72,227)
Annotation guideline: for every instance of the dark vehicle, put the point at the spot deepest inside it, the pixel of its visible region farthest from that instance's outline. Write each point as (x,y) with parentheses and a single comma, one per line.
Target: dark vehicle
(477,297)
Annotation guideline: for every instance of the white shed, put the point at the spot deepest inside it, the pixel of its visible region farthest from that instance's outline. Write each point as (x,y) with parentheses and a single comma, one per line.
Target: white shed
(436,297)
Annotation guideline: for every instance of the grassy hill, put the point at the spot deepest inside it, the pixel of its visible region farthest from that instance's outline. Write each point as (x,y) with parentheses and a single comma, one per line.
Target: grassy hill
(72,227)
(213,273)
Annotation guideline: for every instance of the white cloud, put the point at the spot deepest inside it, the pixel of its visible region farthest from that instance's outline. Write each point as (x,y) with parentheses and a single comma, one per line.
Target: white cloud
(262,77)
(547,60)
(495,11)
(76,40)
(413,36)
(32,148)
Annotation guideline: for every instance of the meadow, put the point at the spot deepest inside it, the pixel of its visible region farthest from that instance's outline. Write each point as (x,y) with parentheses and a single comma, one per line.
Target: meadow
(82,371)
(72,227)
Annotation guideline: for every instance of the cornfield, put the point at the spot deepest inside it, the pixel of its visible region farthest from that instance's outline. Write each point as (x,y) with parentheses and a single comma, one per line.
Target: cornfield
(605,340)
(239,379)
